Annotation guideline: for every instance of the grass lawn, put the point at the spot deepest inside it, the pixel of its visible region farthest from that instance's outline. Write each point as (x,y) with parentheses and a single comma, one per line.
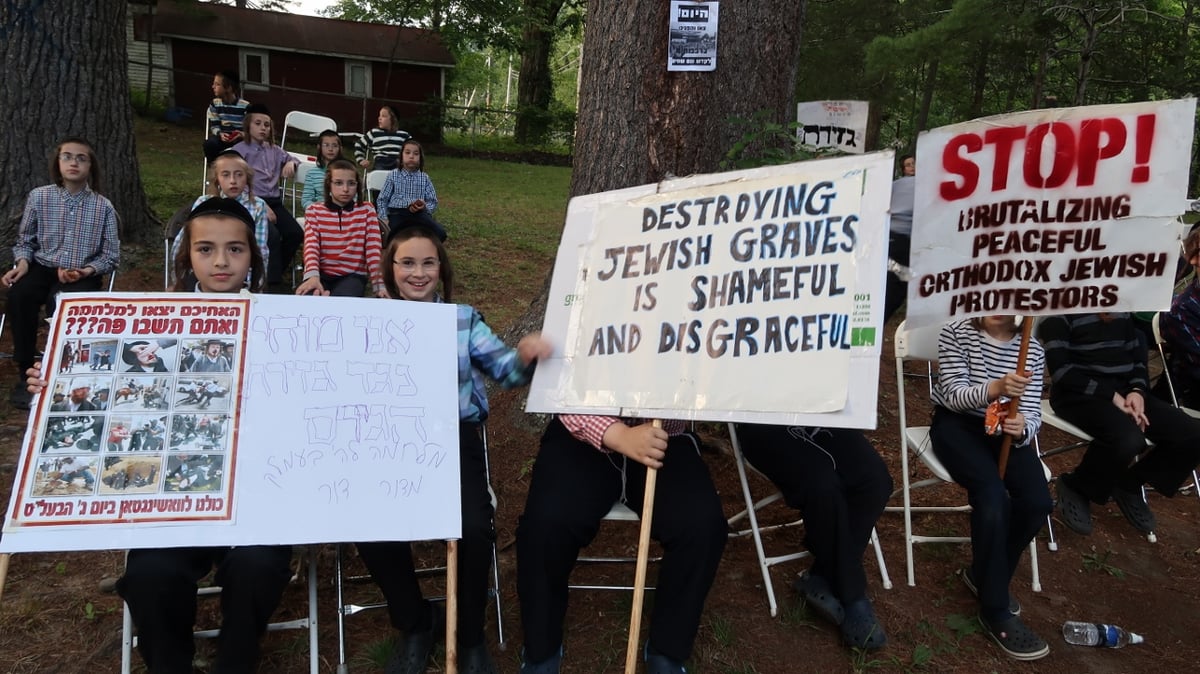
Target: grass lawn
(504,218)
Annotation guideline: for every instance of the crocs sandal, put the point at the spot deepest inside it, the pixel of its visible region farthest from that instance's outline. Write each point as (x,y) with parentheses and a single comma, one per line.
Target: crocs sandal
(860,628)
(968,578)
(1074,508)
(1135,509)
(819,597)
(1016,639)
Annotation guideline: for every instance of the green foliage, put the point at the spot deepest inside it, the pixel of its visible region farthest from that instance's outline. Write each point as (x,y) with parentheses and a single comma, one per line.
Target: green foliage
(1098,561)
(764,142)
(722,629)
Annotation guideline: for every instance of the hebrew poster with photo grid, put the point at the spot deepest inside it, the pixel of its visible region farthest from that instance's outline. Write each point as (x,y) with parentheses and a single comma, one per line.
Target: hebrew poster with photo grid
(147,418)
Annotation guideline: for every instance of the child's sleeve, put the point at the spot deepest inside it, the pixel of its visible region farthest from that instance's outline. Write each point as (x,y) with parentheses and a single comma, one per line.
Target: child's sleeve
(214,122)
(27,233)
(108,257)
(589,428)
(954,370)
(1031,401)
(374,248)
(314,187)
(363,145)
(490,355)
(262,229)
(430,195)
(312,242)
(385,196)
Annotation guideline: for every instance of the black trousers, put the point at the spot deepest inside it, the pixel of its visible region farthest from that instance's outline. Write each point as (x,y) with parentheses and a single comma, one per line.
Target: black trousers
(283,240)
(391,563)
(573,486)
(160,587)
(837,481)
(351,285)
(899,247)
(1005,513)
(26,298)
(1108,461)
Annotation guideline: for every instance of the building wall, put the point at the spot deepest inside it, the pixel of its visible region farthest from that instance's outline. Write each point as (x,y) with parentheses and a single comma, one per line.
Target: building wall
(312,83)
(146,58)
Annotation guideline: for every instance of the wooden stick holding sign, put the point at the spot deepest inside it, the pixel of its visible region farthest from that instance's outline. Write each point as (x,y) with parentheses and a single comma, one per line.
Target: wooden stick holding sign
(1015,403)
(639,577)
(452,607)
(3,571)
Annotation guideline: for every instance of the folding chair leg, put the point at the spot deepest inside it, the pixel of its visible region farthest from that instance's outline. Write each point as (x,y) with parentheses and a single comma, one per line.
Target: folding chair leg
(763,567)
(314,656)
(342,667)
(126,639)
(883,572)
(1033,566)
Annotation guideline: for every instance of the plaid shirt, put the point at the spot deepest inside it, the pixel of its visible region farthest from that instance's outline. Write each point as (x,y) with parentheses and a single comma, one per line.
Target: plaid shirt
(404,187)
(481,352)
(590,428)
(61,230)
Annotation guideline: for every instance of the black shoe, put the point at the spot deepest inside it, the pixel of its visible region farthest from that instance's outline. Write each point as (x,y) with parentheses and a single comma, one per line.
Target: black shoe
(657,663)
(968,576)
(413,651)
(1074,507)
(1135,509)
(860,628)
(1016,639)
(20,397)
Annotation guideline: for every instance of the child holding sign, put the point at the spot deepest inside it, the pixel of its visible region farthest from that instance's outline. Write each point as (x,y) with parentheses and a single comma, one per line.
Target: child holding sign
(414,263)
(585,464)
(159,584)
(977,361)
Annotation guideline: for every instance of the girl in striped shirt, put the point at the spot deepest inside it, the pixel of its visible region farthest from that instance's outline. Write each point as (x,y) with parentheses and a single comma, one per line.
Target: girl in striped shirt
(341,239)
(977,362)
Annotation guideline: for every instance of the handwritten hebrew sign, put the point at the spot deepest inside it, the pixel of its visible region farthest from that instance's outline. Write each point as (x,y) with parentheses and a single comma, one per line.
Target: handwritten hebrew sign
(184,419)
(1070,210)
(838,125)
(735,296)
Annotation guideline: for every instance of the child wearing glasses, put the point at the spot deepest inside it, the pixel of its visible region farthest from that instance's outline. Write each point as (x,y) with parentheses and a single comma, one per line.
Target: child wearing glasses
(414,262)
(329,148)
(341,239)
(66,241)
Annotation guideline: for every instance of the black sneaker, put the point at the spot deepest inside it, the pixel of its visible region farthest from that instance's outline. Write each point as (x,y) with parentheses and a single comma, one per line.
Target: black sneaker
(413,651)
(476,660)
(20,398)
(1016,639)
(1135,509)
(968,577)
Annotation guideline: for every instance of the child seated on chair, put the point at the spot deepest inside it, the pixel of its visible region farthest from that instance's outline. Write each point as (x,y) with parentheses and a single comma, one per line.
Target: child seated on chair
(1181,330)
(414,263)
(66,241)
(225,114)
(230,177)
(408,197)
(271,164)
(839,483)
(977,363)
(1098,365)
(383,143)
(329,148)
(341,239)
(159,584)
(586,464)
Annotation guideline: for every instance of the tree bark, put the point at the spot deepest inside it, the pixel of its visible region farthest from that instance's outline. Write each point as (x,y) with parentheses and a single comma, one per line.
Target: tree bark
(535,88)
(638,123)
(66,74)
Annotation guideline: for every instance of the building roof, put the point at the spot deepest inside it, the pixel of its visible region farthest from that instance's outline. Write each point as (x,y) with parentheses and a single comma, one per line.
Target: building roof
(207,22)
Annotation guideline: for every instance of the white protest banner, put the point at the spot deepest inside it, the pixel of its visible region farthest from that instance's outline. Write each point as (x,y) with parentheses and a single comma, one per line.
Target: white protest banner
(751,295)
(693,39)
(840,125)
(188,419)
(1046,212)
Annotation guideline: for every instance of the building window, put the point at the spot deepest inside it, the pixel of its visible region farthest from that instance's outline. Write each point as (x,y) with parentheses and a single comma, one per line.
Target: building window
(256,72)
(358,78)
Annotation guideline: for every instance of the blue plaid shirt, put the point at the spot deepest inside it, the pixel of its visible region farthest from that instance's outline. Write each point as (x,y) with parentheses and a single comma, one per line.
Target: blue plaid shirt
(402,188)
(61,230)
(481,352)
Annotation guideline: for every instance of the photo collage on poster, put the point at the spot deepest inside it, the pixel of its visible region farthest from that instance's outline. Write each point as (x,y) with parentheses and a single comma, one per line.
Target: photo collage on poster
(137,416)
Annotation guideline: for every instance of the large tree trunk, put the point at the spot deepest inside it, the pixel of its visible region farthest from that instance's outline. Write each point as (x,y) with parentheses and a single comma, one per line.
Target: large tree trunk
(66,74)
(535,88)
(639,123)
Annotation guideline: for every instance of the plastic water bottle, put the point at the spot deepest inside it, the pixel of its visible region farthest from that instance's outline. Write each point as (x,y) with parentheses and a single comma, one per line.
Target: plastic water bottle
(1098,635)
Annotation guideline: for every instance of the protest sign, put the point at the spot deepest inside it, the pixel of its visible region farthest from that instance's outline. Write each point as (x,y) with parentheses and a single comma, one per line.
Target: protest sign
(751,295)
(693,36)
(837,125)
(1047,212)
(188,419)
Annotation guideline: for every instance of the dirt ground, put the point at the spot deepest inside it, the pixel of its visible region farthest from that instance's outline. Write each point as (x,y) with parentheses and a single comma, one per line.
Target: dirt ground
(54,616)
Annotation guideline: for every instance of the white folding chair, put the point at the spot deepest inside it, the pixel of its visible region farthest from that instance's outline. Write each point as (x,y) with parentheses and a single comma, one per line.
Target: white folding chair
(755,531)
(921,345)
(307,123)
(348,609)
(309,622)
